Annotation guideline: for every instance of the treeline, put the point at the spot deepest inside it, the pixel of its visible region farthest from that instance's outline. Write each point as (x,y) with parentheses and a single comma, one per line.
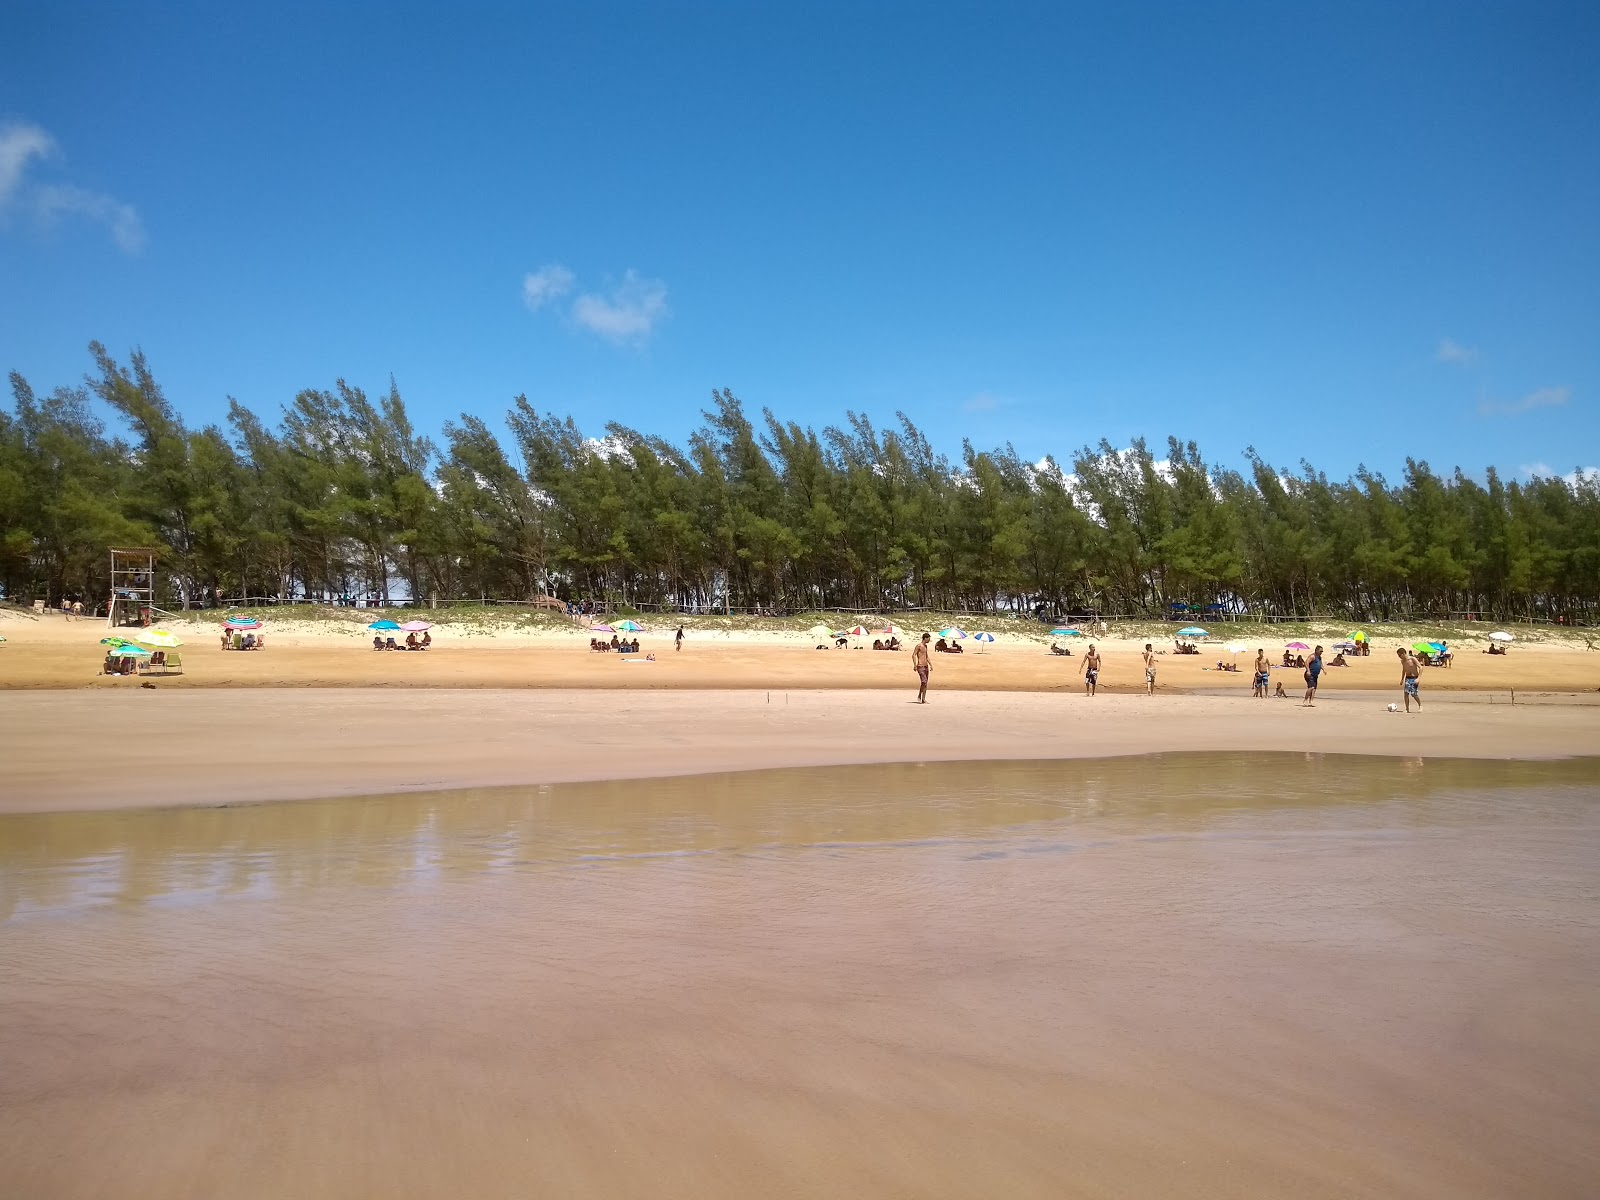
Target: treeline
(341,494)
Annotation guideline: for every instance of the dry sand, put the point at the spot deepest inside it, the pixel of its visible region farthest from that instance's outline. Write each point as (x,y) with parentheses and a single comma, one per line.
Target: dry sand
(319,713)
(128,748)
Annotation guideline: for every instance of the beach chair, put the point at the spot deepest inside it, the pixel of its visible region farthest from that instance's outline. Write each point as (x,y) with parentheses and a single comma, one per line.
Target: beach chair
(174,662)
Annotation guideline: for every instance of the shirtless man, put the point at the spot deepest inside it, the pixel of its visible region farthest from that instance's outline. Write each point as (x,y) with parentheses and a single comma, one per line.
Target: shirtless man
(1313,674)
(922,666)
(1149,670)
(1410,677)
(1090,670)
(1263,674)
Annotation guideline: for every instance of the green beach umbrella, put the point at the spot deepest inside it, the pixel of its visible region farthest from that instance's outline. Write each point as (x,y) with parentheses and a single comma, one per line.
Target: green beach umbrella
(628,627)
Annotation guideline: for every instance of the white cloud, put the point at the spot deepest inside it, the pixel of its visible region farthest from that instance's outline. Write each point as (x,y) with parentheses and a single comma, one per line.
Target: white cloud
(628,314)
(21,142)
(1571,478)
(52,202)
(1550,397)
(547,283)
(1451,351)
(982,402)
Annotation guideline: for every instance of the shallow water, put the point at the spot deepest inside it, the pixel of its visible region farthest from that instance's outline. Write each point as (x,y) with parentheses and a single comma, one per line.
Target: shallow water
(1213,975)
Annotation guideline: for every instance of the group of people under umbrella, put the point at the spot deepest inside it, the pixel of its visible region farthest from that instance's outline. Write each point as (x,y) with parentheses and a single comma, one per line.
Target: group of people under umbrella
(384,633)
(147,650)
(888,638)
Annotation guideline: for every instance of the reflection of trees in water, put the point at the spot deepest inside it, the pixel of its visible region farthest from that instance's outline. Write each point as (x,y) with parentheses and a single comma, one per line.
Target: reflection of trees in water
(73,859)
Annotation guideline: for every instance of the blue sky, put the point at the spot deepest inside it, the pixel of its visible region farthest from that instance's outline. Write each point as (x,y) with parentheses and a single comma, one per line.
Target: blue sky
(1345,232)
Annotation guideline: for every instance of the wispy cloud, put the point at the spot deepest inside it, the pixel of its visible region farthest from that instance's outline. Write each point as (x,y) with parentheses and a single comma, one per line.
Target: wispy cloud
(1453,352)
(122,220)
(1550,397)
(544,285)
(982,402)
(628,314)
(20,144)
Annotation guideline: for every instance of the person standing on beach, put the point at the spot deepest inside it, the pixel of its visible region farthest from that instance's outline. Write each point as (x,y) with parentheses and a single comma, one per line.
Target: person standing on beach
(1090,670)
(677,642)
(1313,673)
(922,666)
(1263,673)
(1410,677)
(1149,670)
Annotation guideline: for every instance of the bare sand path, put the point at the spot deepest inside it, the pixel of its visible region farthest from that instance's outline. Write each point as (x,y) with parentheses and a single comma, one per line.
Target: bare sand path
(124,748)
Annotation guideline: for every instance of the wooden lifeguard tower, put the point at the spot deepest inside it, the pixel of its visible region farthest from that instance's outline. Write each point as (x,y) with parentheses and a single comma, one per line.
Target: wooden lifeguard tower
(133,587)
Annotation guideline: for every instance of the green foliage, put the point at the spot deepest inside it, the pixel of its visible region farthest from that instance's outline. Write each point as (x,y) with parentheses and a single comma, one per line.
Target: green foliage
(342,495)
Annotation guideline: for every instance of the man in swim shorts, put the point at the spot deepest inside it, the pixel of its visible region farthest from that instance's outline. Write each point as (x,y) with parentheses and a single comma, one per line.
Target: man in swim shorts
(1263,674)
(1410,677)
(1090,670)
(1149,670)
(923,667)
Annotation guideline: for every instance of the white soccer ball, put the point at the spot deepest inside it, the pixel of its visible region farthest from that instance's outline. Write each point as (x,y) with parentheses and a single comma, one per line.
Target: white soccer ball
(1394,708)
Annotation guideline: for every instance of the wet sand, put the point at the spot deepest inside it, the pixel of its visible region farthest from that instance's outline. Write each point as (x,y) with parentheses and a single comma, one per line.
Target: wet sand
(118,748)
(1224,975)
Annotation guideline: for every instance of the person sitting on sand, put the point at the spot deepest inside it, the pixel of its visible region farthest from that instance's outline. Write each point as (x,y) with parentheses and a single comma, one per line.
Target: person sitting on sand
(615,644)
(377,641)
(894,644)
(1280,694)
(249,641)
(955,648)
(1338,660)
(635,645)
(426,641)
(389,644)
(1497,648)
(940,648)
(877,643)
(411,642)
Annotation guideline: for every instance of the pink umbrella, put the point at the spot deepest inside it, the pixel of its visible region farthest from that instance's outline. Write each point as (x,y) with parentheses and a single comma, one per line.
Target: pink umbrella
(1296,646)
(601,629)
(415,626)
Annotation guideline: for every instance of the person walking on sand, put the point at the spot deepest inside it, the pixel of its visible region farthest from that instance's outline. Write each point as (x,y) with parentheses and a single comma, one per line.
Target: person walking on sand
(1149,670)
(1313,673)
(1263,674)
(1410,677)
(677,642)
(1090,670)
(921,665)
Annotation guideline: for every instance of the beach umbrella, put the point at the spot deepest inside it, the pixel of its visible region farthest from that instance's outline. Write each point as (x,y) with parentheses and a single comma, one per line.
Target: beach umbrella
(384,626)
(160,639)
(819,631)
(1295,646)
(1501,636)
(1425,647)
(1192,631)
(601,629)
(1064,632)
(130,651)
(242,623)
(416,626)
(983,637)
(116,641)
(858,631)
(1358,636)
(954,633)
(629,627)
(892,630)
(1237,647)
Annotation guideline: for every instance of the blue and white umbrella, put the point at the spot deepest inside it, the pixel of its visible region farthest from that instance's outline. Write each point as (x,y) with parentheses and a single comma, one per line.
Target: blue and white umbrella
(983,637)
(1192,631)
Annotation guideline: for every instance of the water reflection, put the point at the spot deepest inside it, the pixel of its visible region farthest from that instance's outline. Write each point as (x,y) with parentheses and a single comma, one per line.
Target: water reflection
(67,861)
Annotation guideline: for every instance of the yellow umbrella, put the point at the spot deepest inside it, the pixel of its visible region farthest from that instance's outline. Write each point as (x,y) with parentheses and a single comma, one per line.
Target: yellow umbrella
(159,638)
